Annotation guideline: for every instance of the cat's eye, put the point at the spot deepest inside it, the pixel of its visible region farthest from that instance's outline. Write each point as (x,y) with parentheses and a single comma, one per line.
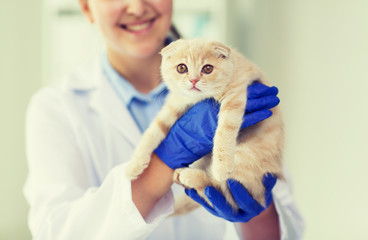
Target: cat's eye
(182,68)
(207,69)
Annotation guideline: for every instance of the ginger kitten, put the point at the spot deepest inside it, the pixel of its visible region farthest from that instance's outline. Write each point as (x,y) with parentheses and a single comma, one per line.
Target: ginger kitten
(198,69)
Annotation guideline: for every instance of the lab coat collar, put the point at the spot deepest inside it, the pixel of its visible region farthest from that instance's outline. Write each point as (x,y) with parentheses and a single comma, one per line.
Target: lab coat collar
(83,80)
(104,100)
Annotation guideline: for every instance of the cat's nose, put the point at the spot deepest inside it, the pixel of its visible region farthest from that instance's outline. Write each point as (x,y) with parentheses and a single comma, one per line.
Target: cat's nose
(194,81)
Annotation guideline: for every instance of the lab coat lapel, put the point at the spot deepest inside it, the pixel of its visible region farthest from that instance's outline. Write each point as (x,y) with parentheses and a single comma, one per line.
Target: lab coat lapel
(106,101)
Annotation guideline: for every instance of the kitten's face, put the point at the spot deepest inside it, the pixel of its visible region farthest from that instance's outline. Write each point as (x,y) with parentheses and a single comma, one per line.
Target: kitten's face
(196,68)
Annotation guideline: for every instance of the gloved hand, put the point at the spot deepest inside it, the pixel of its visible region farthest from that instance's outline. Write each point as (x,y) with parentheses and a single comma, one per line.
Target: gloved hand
(191,137)
(248,207)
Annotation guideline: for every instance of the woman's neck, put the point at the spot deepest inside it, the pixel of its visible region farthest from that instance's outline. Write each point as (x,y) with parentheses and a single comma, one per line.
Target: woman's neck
(143,74)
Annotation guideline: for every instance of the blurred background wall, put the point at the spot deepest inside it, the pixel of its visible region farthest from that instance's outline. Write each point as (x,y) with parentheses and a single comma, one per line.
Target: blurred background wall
(20,76)
(315,51)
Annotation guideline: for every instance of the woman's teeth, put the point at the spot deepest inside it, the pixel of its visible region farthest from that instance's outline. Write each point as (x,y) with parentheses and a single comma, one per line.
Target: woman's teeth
(138,27)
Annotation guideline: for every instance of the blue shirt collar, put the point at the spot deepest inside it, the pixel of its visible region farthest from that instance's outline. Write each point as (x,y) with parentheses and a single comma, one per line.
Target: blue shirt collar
(125,89)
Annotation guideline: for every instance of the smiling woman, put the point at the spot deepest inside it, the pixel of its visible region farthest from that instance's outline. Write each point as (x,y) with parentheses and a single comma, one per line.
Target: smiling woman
(133,33)
(138,28)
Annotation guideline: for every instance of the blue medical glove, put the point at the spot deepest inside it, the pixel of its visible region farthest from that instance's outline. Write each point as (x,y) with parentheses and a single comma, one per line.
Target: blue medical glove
(191,137)
(248,207)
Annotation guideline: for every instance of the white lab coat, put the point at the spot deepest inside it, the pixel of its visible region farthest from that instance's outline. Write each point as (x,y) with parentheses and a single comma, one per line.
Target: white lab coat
(79,137)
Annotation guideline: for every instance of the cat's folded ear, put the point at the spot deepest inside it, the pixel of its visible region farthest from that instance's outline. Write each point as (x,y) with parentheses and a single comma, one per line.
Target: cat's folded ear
(169,49)
(221,50)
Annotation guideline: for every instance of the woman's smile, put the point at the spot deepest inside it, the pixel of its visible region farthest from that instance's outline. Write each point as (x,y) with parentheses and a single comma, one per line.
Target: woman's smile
(138,27)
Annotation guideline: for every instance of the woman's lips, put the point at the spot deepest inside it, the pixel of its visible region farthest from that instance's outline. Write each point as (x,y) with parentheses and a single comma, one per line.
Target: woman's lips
(137,27)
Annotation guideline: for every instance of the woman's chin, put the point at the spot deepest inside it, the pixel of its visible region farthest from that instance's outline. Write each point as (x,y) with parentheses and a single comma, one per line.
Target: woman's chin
(146,51)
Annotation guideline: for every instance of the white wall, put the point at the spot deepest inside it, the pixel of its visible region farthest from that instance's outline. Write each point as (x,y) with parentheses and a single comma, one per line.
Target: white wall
(20,76)
(316,52)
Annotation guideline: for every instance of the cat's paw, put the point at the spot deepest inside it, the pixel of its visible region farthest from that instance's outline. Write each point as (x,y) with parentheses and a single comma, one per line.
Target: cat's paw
(133,170)
(176,176)
(136,166)
(191,178)
(184,177)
